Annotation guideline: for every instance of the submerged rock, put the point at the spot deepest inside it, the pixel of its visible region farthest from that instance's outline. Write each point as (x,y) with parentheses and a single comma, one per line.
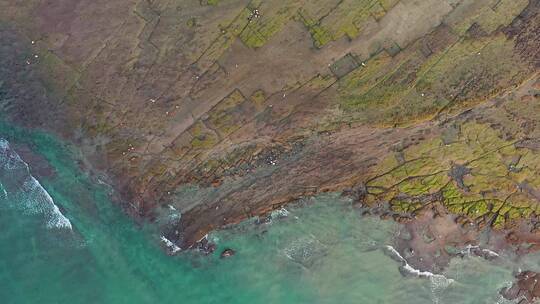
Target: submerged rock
(206,247)
(228,252)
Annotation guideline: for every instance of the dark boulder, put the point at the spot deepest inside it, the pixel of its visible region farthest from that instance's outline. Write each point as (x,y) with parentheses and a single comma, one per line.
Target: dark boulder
(206,247)
(227,253)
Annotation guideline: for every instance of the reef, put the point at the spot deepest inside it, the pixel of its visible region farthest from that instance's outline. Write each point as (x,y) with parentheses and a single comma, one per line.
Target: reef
(226,110)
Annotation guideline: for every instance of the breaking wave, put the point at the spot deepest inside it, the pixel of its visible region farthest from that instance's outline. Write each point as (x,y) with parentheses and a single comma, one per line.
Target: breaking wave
(20,190)
(476,250)
(438,281)
(173,248)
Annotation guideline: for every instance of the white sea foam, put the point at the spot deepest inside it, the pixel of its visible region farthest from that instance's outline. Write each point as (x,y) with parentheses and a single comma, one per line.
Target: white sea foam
(490,253)
(205,237)
(212,238)
(281,212)
(25,191)
(305,250)
(172,246)
(4,192)
(40,199)
(438,281)
(468,250)
(411,270)
(10,160)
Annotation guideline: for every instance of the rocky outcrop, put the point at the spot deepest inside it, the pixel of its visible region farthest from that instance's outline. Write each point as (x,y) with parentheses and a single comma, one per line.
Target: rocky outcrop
(231,110)
(526,288)
(227,253)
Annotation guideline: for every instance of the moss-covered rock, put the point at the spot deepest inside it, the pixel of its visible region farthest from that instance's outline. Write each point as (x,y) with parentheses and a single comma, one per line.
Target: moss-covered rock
(488,189)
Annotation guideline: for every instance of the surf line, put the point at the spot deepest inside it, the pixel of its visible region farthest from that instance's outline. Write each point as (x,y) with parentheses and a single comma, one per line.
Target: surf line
(34,198)
(57,219)
(411,270)
(172,246)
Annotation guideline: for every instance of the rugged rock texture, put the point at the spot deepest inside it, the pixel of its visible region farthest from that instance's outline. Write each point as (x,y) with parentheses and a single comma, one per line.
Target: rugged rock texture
(224,110)
(526,288)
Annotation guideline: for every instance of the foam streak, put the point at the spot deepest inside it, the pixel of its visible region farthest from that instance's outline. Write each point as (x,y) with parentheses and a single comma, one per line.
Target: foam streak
(21,187)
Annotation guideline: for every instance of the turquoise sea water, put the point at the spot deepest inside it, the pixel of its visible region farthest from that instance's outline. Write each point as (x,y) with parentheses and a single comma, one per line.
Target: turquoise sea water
(63,241)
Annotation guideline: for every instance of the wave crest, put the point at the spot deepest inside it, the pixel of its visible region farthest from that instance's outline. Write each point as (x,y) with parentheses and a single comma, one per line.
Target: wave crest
(22,191)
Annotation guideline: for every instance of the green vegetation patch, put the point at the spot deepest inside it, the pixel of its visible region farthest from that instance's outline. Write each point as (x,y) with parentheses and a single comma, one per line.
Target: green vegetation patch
(330,21)
(498,186)
(411,87)
(490,18)
(320,35)
(226,116)
(265,20)
(350,16)
(203,137)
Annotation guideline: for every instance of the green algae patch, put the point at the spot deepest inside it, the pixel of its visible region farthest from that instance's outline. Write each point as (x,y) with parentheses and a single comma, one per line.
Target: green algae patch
(388,4)
(383,90)
(403,206)
(257,100)
(349,17)
(226,116)
(319,34)
(472,69)
(496,184)
(490,18)
(327,21)
(203,137)
(410,87)
(229,31)
(271,20)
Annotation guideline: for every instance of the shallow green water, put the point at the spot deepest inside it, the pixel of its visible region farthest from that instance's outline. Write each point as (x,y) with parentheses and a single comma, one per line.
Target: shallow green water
(321,252)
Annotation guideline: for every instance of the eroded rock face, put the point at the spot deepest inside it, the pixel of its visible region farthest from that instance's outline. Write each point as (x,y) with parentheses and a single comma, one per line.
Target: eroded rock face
(230,109)
(526,288)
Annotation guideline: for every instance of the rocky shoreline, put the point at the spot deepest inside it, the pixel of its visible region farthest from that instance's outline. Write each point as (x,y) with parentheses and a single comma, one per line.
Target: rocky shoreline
(436,128)
(525,289)
(424,245)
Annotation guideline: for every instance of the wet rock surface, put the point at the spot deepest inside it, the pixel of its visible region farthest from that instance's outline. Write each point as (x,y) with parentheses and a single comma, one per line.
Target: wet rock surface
(206,247)
(526,288)
(227,253)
